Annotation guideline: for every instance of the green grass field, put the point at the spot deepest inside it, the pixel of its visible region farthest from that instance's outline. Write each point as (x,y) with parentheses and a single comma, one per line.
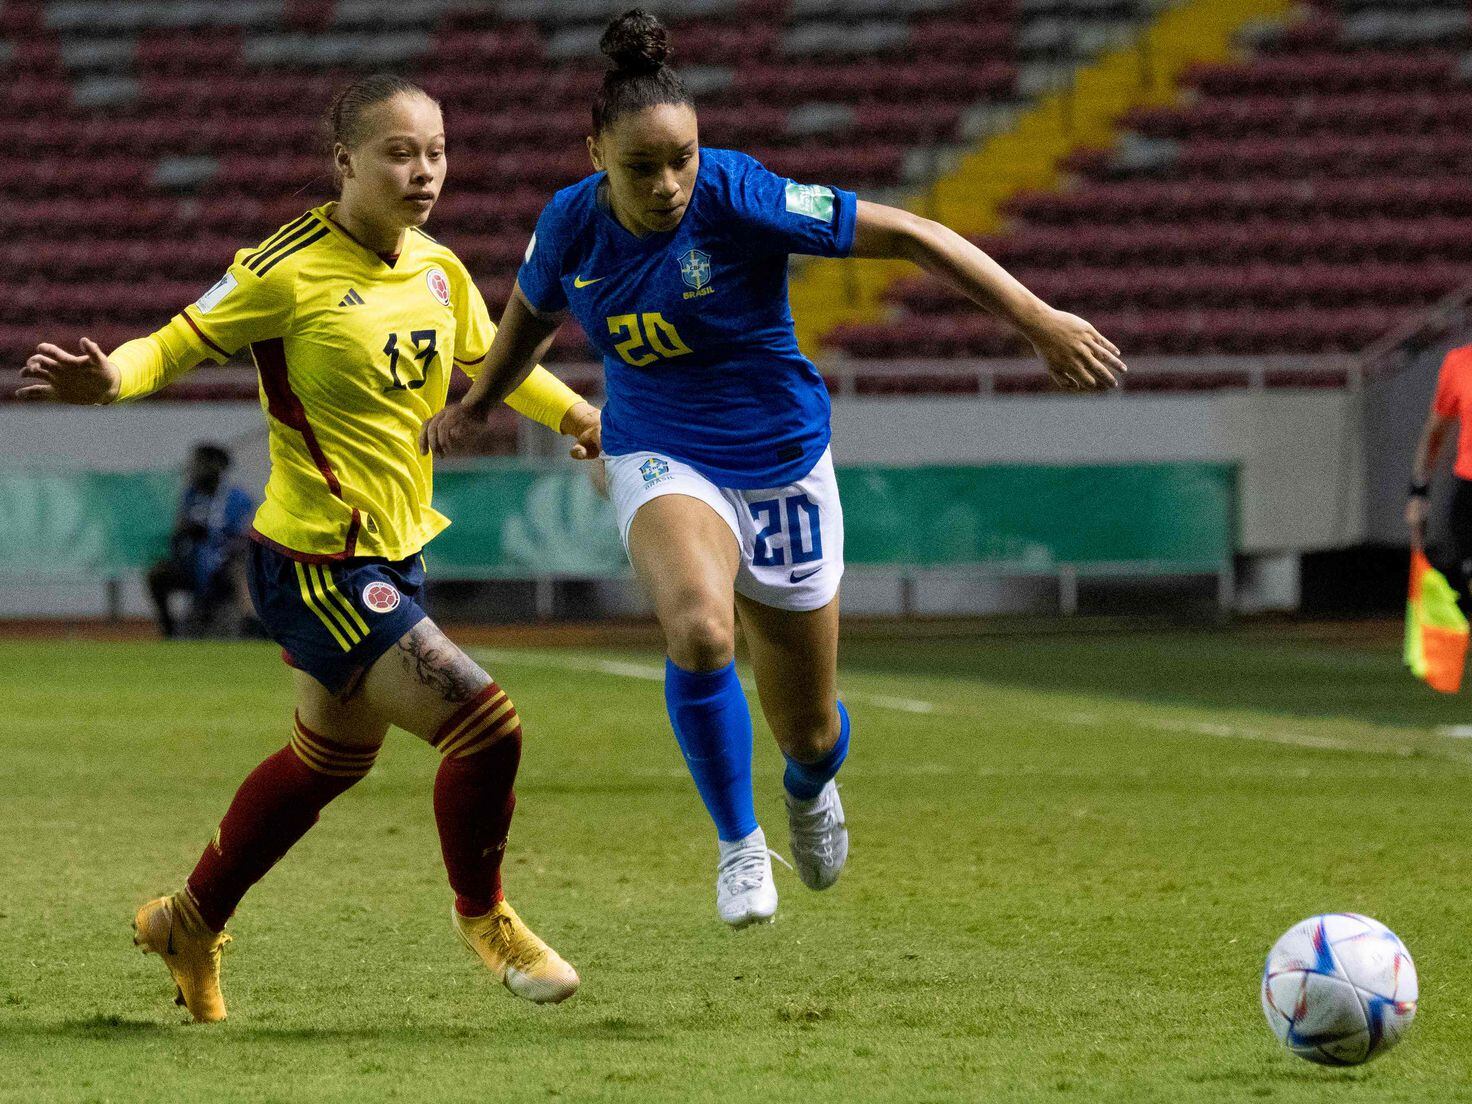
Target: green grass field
(1070,856)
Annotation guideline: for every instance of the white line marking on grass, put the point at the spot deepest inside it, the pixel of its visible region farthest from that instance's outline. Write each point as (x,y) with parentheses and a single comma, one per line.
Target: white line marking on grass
(575,661)
(629,670)
(925,770)
(902,705)
(1181,727)
(1239,732)
(649,672)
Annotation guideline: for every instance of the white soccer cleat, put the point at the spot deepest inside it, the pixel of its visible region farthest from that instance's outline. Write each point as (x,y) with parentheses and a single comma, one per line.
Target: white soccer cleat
(745,892)
(819,837)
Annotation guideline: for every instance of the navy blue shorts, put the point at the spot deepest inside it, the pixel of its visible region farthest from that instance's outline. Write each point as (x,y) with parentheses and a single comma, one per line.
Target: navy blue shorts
(333,620)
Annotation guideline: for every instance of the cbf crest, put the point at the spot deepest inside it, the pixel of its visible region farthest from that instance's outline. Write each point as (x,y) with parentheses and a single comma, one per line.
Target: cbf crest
(695,271)
(653,470)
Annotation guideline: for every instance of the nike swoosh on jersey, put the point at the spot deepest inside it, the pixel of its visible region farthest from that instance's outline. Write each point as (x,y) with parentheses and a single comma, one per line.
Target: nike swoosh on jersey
(579,282)
(796,578)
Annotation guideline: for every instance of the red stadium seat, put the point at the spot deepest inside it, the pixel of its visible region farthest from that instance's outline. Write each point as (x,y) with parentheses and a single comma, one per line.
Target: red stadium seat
(1302,200)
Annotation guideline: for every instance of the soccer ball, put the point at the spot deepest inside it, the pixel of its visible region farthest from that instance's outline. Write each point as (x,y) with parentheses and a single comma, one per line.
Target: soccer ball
(1339,989)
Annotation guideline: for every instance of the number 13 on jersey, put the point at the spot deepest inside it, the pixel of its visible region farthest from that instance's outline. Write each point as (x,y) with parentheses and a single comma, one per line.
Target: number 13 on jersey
(645,338)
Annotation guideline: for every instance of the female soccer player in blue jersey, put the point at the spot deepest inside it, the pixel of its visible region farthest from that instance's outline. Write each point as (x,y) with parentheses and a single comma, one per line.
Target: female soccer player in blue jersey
(353,315)
(716,427)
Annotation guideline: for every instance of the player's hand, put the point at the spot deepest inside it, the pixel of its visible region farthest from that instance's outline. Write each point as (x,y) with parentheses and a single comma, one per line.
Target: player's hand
(1417,507)
(55,375)
(1078,356)
(455,430)
(585,423)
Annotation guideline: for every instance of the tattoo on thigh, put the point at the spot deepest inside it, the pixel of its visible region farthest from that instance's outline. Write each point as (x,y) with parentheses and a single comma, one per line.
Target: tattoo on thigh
(437,663)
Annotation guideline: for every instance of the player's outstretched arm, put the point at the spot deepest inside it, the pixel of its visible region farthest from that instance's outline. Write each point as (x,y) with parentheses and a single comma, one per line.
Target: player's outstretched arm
(52,374)
(521,340)
(1076,354)
(134,369)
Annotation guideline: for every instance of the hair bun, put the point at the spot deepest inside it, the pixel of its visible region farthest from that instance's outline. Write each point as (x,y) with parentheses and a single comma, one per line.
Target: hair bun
(636,43)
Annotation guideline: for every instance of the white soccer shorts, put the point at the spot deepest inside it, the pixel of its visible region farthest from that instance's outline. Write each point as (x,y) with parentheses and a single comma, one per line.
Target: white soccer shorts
(791,538)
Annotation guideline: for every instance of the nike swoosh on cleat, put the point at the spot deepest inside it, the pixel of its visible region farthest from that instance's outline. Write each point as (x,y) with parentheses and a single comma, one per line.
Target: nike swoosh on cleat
(579,282)
(796,578)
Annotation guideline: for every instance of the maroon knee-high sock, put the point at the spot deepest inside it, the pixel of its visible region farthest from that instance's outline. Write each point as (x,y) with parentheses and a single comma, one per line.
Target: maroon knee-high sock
(274,807)
(473,796)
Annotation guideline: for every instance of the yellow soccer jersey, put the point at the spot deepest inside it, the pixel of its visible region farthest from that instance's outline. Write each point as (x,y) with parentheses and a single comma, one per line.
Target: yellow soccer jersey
(354,355)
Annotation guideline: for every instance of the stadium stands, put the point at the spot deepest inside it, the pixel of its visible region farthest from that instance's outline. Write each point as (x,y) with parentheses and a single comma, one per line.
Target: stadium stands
(1301,201)
(1305,200)
(166,135)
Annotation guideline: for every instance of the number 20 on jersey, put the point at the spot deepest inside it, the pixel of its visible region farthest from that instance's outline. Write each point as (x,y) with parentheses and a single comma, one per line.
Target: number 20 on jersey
(645,338)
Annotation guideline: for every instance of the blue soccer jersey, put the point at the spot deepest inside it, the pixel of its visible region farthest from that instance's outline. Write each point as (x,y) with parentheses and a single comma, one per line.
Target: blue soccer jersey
(700,358)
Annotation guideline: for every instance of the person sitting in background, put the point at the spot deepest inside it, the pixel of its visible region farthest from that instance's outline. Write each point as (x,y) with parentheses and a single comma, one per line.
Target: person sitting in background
(206,547)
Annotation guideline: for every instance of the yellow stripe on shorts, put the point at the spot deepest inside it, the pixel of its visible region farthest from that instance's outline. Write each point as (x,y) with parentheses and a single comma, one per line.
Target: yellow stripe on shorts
(330,587)
(315,577)
(311,601)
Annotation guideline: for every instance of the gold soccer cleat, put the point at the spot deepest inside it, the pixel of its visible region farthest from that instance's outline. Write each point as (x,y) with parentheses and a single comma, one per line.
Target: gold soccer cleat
(514,953)
(172,928)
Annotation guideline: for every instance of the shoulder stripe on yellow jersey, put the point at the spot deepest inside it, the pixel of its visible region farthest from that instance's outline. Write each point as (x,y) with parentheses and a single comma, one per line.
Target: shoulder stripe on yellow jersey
(309,597)
(295,224)
(347,607)
(421,233)
(277,238)
(290,228)
(298,247)
(193,325)
(262,260)
(260,257)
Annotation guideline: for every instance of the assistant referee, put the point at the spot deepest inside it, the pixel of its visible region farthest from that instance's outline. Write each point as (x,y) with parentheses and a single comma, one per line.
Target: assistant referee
(1451,404)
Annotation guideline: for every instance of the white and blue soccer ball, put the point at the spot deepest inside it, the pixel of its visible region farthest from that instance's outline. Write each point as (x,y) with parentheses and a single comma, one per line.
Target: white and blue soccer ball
(1339,989)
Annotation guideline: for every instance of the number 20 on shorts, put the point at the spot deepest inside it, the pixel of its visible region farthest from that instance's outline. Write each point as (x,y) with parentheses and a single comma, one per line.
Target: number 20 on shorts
(646,338)
(796,509)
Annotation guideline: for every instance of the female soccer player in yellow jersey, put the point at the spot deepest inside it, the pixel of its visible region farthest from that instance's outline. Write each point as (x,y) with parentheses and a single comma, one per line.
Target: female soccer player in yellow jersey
(353,315)
(673,258)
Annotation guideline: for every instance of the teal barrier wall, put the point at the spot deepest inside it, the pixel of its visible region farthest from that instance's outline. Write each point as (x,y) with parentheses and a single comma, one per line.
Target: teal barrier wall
(517,520)
(1032,516)
(55,524)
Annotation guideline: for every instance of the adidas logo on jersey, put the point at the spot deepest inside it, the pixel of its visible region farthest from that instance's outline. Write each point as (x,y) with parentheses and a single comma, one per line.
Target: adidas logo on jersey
(351,299)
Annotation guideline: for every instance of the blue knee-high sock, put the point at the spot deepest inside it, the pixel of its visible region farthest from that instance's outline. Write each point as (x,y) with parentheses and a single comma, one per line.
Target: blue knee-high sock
(713,725)
(805,781)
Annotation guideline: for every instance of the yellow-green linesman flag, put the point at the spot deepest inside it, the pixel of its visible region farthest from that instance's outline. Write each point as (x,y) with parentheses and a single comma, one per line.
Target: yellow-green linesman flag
(1436,630)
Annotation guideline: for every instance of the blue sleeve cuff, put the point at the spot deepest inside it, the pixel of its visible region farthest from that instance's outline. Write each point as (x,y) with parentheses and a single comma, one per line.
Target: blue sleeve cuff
(848,221)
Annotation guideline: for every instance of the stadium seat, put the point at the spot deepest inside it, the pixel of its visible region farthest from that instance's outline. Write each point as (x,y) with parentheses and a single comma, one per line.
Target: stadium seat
(1300,200)
(1303,194)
